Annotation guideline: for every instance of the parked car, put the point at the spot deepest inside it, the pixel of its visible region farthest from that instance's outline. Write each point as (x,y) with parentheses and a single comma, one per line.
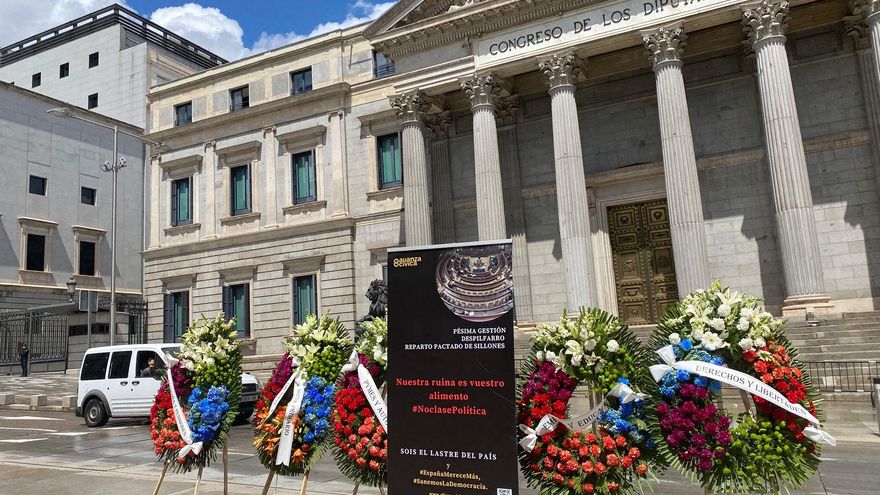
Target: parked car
(118,381)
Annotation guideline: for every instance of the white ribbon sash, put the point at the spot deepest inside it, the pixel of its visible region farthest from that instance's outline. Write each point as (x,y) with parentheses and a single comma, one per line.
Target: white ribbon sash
(741,381)
(550,422)
(285,444)
(283,390)
(374,397)
(352,364)
(182,422)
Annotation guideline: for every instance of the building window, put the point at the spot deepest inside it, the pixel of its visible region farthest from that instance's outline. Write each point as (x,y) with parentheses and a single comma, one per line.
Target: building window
(86,258)
(175,315)
(36,253)
(304,185)
(382,66)
(37,185)
(241,189)
(301,81)
(87,196)
(181,202)
(305,298)
(183,113)
(36,79)
(236,303)
(93,101)
(240,98)
(390,161)
(93,60)
(64,70)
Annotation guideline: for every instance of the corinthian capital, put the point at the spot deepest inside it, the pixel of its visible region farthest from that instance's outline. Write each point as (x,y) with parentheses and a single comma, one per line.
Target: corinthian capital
(765,19)
(866,9)
(482,90)
(438,125)
(665,44)
(411,106)
(561,70)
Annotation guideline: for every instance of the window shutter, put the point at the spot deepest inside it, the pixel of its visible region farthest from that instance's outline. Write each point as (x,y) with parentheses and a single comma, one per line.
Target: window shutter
(168,319)
(189,196)
(228,303)
(246,317)
(296,315)
(313,292)
(174,200)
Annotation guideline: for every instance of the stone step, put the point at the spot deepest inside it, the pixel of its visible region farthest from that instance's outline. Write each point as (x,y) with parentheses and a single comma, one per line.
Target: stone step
(859,355)
(870,340)
(838,348)
(832,326)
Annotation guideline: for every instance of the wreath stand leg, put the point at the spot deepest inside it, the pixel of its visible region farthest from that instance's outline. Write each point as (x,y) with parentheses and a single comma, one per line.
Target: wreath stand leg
(162,477)
(268,482)
(226,467)
(354,492)
(305,482)
(381,490)
(198,482)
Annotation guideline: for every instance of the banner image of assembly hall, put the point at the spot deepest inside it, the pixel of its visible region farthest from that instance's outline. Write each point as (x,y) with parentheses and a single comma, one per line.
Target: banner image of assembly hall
(476,283)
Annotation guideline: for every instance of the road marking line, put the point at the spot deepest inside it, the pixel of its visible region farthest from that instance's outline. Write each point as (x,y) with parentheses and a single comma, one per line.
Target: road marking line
(26,429)
(24,440)
(71,433)
(29,418)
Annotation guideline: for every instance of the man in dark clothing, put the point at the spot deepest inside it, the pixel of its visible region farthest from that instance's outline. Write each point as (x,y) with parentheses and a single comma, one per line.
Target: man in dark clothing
(23,353)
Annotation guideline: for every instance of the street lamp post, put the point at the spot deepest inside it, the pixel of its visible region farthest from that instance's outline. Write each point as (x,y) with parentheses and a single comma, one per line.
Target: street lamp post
(113,167)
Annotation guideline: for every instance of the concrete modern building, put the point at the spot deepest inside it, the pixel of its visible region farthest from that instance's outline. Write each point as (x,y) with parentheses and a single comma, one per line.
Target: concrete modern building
(105,61)
(633,151)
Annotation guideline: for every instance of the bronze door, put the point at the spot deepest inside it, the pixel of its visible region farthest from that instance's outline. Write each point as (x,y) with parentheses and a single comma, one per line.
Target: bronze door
(644,270)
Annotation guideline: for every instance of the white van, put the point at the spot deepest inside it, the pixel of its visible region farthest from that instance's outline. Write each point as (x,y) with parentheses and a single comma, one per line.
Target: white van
(118,381)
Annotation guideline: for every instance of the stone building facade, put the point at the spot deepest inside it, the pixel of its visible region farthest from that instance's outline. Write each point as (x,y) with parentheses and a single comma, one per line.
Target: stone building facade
(632,150)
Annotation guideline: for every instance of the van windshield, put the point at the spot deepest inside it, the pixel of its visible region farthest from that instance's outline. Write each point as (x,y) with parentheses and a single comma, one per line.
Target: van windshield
(173,351)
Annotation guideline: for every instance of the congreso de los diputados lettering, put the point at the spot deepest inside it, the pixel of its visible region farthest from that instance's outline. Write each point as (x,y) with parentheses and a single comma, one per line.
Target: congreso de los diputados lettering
(633,151)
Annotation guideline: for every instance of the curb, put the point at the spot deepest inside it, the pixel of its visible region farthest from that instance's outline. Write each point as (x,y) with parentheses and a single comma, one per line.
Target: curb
(28,407)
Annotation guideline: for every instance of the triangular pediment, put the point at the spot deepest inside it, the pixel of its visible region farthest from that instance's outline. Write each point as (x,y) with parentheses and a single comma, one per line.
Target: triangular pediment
(407,12)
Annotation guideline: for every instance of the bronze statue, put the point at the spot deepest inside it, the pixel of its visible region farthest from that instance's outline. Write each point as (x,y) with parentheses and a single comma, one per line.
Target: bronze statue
(378,296)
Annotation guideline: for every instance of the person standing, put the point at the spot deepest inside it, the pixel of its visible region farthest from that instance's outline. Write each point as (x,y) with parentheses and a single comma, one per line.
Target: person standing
(23,354)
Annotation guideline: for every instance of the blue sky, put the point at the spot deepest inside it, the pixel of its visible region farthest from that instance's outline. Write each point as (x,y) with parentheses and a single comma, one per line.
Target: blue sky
(231,28)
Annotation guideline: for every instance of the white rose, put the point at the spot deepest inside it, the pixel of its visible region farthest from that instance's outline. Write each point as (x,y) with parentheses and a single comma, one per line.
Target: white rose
(746,313)
(590,344)
(723,310)
(674,339)
(743,324)
(746,344)
(717,324)
(697,334)
(539,355)
(760,342)
(612,345)
(550,356)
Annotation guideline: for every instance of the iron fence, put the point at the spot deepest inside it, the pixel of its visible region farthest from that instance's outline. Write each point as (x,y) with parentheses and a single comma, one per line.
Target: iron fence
(136,310)
(843,376)
(45,335)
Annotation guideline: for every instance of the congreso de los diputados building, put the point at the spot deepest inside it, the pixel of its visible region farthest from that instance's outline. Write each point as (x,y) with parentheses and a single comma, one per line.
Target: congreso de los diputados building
(633,151)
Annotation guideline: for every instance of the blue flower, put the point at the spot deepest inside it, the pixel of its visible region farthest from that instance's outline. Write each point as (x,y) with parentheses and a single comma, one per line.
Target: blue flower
(717,361)
(649,442)
(683,375)
(626,410)
(701,381)
(715,386)
(624,380)
(195,396)
(686,345)
(667,391)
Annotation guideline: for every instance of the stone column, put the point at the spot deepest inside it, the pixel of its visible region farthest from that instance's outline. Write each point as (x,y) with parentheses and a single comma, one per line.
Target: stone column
(155,201)
(665,47)
(441,175)
(765,24)
(483,91)
(209,169)
(411,108)
(561,74)
(515,214)
(270,147)
(864,27)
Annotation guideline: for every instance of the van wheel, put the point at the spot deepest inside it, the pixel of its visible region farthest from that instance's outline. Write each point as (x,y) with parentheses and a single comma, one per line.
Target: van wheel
(95,414)
(244,415)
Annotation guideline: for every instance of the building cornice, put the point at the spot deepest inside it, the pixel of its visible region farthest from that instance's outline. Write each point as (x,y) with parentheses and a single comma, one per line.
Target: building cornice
(209,125)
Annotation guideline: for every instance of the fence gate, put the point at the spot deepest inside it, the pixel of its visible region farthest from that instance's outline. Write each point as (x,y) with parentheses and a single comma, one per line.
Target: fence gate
(130,310)
(45,335)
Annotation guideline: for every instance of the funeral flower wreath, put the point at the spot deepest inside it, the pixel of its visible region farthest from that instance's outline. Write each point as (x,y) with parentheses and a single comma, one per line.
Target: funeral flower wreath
(719,335)
(361,439)
(198,399)
(292,421)
(561,455)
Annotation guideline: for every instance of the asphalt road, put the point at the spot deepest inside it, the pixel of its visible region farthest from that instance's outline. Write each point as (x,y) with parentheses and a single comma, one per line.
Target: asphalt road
(55,453)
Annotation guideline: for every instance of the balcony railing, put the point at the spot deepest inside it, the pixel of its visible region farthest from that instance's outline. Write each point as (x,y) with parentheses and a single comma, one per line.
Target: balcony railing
(383,70)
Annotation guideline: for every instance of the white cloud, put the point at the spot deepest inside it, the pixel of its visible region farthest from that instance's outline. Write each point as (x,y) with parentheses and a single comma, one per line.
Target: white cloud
(206,26)
(20,19)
